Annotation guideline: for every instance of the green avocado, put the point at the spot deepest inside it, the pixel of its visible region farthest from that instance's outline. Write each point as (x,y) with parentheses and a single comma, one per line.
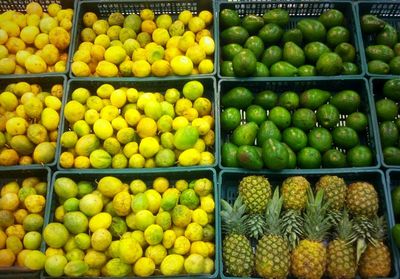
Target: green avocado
(346,101)
(391,89)
(229,18)
(248,157)
(238,97)
(379,52)
(230,50)
(293,35)
(346,51)
(391,155)
(307,71)
(228,155)
(329,64)
(252,23)
(314,50)
(349,68)
(271,33)
(312,29)
(271,55)
(394,65)
(314,98)
(245,134)
(283,69)
(371,24)
(389,133)
(388,36)
(274,154)
(293,54)
(277,16)
(256,45)
(244,63)
(234,34)
(378,67)
(337,35)
(268,130)
(331,18)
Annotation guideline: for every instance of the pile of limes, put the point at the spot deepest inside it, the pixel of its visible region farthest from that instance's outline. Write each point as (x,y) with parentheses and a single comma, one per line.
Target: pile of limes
(35,42)
(22,206)
(145,44)
(29,119)
(122,228)
(124,127)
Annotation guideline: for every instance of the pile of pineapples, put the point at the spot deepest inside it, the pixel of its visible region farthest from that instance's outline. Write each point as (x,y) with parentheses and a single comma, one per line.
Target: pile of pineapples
(335,232)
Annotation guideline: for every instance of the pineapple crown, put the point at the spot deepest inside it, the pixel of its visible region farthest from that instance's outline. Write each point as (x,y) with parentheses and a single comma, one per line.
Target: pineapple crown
(256,225)
(292,227)
(345,228)
(272,214)
(316,223)
(233,217)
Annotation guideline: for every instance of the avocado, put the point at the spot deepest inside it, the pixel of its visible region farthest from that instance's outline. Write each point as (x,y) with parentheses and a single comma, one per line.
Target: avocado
(389,133)
(378,67)
(391,155)
(379,52)
(349,69)
(248,157)
(388,36)
(274,154)
(267,130)
(227,69)
(244,63)
(271,55)
(337,35)
(283,69)
(396,49)
(312,30)
(229,18)
(331,18)
(329,64)
(292,162)
(228,155)
(261,70)
(328,116)
(346,51)
(230,50)
(277,16)
(252,23)
(346,101)
(293,35)
(238,97)
(256,45)
(267,99)
(394,65)
(391,89)
(271,33)
(307,71)
(314,98)
(314,50)
(371,24)
(245,134)
(293,54)
(234,34)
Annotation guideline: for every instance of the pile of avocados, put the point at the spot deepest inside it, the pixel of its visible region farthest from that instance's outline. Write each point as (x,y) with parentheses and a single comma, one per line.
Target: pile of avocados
(383,53)
(387,109)
(285,130)
(261,46)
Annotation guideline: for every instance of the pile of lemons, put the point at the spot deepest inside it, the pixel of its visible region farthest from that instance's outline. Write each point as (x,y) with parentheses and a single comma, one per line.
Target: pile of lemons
(35,42)
(29,119)
(130,228)
(144,45)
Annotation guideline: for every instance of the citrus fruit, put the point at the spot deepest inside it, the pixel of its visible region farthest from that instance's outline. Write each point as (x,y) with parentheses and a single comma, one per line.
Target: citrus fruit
(181,65)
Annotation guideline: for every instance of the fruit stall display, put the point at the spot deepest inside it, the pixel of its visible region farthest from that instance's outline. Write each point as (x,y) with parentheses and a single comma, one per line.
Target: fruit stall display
(127,224)
(386,94)
(23,202)
(31,108)
(378,31)
(139,124)
(300,38)
(296,124)
(143,38)
(274,225)
(35,37)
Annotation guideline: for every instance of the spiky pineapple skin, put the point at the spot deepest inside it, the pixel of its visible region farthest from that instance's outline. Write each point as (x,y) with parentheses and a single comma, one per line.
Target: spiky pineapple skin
(256,192)
(238,255)
(308,260)
(341,262)
(375,261)
(294,192)
(362,199)
(335,190)
(272,257)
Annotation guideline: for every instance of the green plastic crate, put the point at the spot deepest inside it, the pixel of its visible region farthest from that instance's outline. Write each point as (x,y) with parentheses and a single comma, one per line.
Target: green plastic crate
(8,175)
(19,6)
(386,10)
(297,10)
(46,83)
(104,8)
(209,84)
(376,85)
(228,186)
(298,86)
(147,177)
(393,180)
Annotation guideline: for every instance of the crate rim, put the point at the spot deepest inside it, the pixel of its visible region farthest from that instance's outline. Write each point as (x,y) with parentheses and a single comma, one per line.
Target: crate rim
(76,32)
(373,129)
(357,46)
(213,176)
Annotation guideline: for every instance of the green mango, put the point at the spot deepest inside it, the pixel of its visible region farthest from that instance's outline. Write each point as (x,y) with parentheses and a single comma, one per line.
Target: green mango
(248,157)
(379,52)
(312,29)
(283,69)
(293,54)
(245,134)
(314,98)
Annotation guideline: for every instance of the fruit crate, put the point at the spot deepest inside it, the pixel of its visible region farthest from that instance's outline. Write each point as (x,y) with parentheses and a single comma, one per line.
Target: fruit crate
(147,177)
(386,10)
(298,86)
(46,83)
(104,8)
(19,6)
(376,85)
(393,180)
(14,174)
(228,186)
(297,10)
(209,84)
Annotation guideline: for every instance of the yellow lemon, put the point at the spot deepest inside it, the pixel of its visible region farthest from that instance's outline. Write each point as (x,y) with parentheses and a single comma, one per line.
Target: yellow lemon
(196,54)
(160,36)
(101,220)
(160,68)
(206,66)
(185,16)
(207,43)
(206,16)
(181,65)
(141,68)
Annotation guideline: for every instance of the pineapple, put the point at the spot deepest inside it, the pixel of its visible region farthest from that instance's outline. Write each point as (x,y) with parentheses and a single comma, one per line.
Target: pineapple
(237,251)
(376,259)
(308,259)
(272,251)
(256,225)
(294,192)
(335,190)
(342,261)
(292,224)
(256,192)
(362,199)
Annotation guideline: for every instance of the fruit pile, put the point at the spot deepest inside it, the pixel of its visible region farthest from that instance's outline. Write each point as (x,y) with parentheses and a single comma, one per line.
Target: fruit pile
(123,127)
(143,45)
(259,45)
(383,54)
(119,229)
(35,42)
(273,131)
(304,234)
(387,110)
(29,119)
(22,205)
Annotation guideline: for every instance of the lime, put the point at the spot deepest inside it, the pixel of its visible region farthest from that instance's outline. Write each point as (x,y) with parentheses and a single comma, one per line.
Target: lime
(309,158)
(190,199)
(71,204)
(82,241)
(32,240)
(76,222)
(91,204)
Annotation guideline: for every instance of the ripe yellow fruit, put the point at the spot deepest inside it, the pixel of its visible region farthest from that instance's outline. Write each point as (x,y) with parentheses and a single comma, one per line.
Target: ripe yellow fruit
(181,65)
(80,69)
(29,33)
(60,38)
(35,64)
(106,69)
(141,68)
